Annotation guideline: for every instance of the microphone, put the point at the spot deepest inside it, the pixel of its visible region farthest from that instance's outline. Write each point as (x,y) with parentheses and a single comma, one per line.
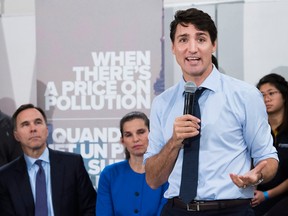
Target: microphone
(190,89)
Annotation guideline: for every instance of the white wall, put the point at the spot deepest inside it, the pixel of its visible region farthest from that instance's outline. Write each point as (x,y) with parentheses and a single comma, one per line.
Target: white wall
(17,7)
(17,61)
(265,39)
(252,42)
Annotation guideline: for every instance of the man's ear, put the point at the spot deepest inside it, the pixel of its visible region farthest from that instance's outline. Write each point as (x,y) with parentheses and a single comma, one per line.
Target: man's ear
(16,135)
(214,47)
(172,48)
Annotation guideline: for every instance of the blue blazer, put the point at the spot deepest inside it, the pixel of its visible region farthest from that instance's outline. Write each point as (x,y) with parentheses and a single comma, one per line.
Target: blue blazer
(72,189)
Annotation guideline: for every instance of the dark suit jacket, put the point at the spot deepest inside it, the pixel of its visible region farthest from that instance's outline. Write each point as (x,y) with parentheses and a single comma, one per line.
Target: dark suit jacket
(72,189)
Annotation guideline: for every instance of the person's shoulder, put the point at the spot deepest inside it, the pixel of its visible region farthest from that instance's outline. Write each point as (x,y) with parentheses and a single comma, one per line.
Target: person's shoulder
(241,92)
(236,85)
(232,81)
(12,166)
(171,90)
(116,168)
(6,167)
(168,95)
(117,165)
(64,154)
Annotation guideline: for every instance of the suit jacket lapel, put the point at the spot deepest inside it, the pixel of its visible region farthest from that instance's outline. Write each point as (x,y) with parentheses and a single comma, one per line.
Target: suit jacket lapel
(23,182)
(57,172)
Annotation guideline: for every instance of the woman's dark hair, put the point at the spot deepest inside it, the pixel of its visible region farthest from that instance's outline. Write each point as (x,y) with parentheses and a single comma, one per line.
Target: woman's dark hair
(131,116)
(25,107)
(201,20)
(282,86)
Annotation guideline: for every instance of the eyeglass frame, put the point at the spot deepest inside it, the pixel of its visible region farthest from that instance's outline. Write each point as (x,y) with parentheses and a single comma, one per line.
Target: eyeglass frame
(270,94)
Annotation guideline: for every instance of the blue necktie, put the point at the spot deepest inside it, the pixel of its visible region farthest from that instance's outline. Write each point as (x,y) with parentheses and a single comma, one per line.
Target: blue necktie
(41,208)
(189,180)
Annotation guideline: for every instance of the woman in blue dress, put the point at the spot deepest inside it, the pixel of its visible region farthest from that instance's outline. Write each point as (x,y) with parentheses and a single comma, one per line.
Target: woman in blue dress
(122,188)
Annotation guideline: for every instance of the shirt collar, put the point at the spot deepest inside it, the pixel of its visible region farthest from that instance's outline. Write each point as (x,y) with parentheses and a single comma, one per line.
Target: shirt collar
(212,81)
(30,161)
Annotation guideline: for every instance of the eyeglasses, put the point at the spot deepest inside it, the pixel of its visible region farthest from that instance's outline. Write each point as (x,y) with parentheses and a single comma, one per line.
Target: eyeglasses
(271,94)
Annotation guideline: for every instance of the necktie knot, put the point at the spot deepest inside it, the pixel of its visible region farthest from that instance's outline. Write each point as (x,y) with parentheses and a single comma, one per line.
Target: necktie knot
(39,163)
(199,92)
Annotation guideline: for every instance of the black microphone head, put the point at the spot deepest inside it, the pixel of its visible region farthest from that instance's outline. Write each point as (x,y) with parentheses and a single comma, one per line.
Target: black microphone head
(190,87)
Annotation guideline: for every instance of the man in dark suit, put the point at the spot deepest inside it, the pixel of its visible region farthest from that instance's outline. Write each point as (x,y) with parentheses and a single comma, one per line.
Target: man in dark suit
(68,186)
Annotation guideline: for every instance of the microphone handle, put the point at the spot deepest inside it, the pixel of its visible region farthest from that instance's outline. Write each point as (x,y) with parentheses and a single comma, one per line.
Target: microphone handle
(188,103)
(188,109)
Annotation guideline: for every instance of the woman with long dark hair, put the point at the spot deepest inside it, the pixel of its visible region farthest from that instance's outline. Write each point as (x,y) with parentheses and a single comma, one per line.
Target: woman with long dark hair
(275,93)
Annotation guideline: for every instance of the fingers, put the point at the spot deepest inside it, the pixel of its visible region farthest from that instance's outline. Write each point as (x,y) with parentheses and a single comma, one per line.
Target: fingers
(254,203)
(245,179)
(236,180)
(257,199)
(187,117)
(239,181)
(186,126)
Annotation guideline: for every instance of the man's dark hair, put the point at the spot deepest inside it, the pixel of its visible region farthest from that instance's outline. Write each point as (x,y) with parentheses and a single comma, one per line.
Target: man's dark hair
(25,107)
(201,20)
(215,61)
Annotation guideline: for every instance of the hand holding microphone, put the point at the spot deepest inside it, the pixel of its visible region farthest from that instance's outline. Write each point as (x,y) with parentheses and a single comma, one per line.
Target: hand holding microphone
(191,105)
(187,126)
